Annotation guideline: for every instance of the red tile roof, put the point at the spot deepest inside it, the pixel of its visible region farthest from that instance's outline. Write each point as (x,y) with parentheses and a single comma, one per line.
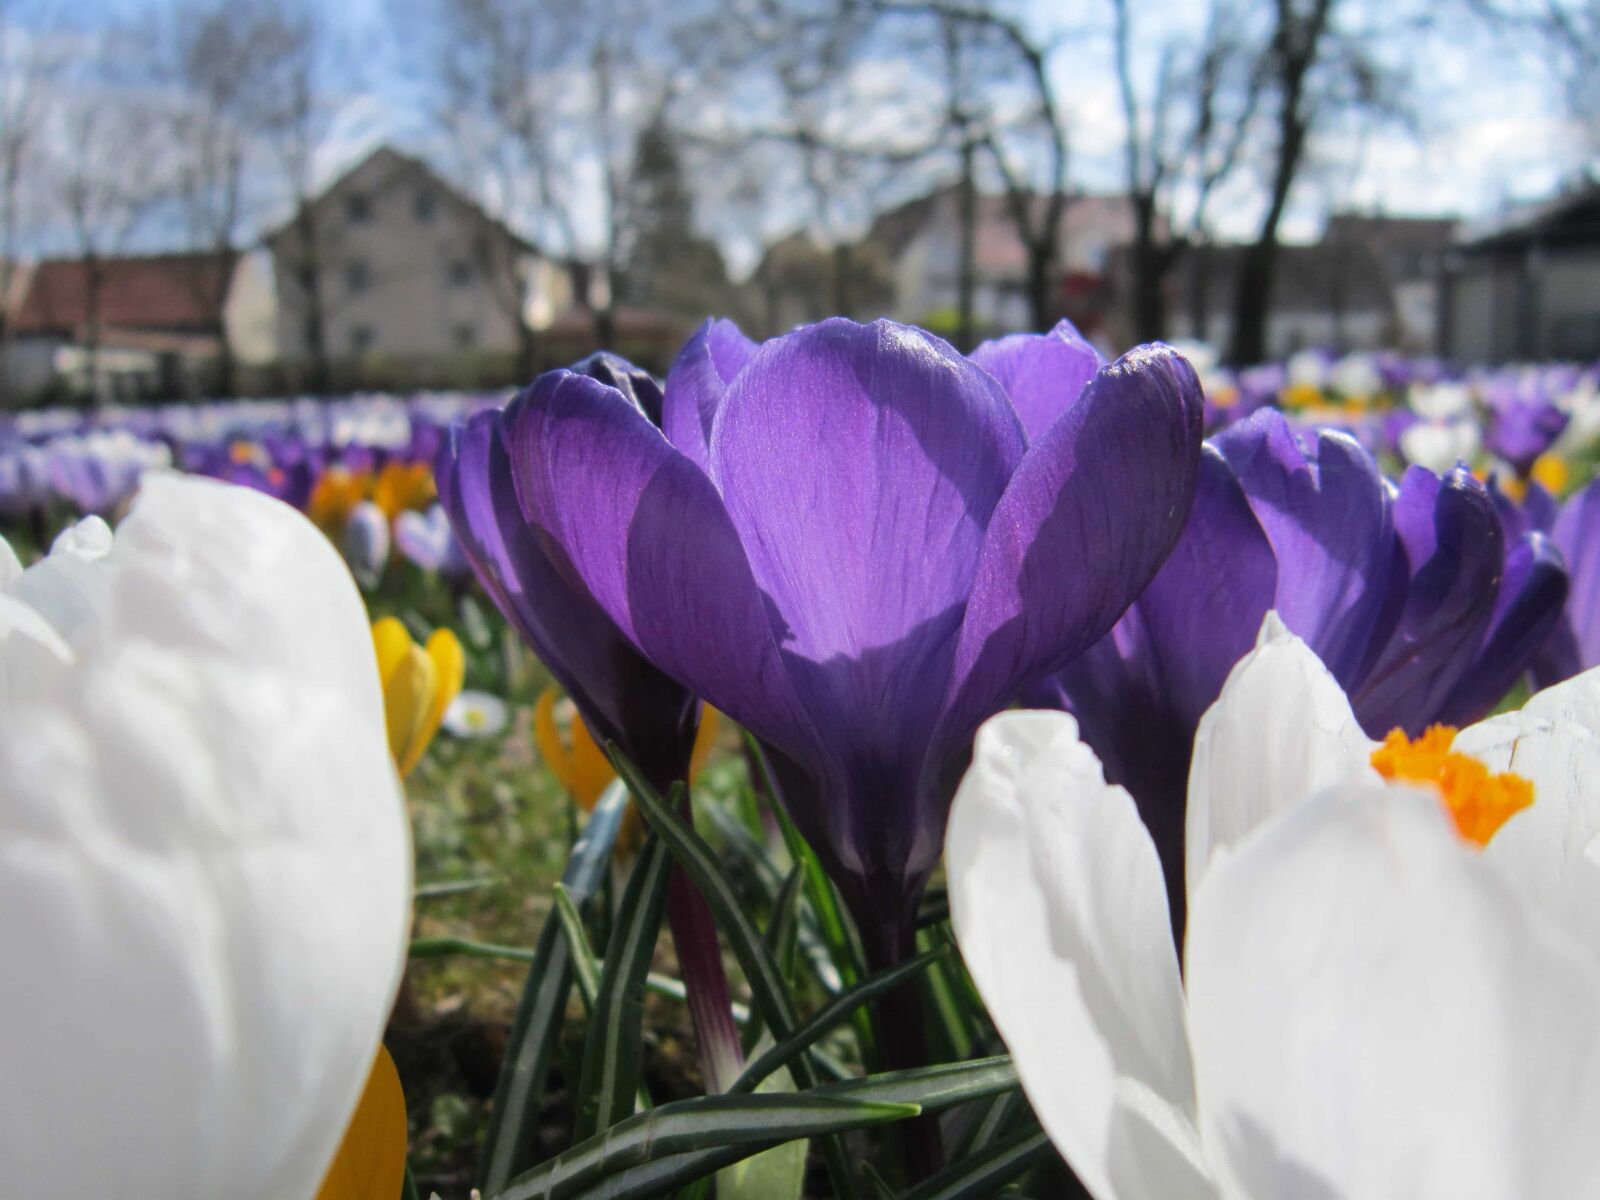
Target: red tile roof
(173,293)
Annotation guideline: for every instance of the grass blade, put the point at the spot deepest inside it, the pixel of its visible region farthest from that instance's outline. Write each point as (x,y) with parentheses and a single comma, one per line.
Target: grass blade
(455,887)
(744,1123)
(614,1044)
(510,1140)
(931,1087)
(585,965)
(767,987)
(830,1015)
(980,1176)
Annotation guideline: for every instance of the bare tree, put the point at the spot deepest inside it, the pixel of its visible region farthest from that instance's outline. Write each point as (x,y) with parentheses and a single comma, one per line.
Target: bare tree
(110,171)
(218,61)
(28,63)
(1184,130)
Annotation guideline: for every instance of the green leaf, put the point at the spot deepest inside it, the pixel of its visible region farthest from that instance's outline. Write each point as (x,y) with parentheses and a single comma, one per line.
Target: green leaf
(585,965)
(779,939)
(987,1128)
(743,1124)
(455,887)
(614,1046)
(767,988)
(952,1084)
(931,1087)
(775,1174)
(511,1137)
(445,947)
(830,1015)
(979,1176)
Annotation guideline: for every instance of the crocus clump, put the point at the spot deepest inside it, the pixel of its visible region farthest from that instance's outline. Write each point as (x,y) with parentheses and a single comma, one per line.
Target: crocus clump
(846,543)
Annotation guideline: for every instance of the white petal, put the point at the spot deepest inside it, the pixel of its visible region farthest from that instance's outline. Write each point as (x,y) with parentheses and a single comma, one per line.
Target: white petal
(1535,846)
(1058,903)
(1280,731)
(204,877)
(1376,1013)
(1576,700)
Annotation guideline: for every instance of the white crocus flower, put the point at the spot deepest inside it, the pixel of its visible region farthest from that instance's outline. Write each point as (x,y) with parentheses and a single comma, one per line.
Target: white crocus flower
(476,714)
(204,860)
(1440,445)
(1370,1007)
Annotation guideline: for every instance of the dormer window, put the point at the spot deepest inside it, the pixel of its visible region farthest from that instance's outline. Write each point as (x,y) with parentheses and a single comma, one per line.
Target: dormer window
(358,209)
(424,204)
(458,273)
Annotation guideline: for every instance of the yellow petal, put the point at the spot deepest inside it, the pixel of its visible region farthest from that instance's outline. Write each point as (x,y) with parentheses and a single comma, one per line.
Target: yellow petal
(391,641)
(548,738)
(591,769)
(449,672)
(704,741)
(371,1162)
(401,486)
(407,694)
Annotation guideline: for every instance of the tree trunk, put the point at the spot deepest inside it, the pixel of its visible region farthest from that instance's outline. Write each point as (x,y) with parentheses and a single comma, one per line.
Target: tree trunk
(1149,269)
(93,277)
(1042,306)
(966,270)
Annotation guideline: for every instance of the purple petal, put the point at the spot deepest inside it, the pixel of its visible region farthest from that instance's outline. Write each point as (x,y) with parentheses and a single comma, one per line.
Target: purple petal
(860,465)
(636,526)
(1455,552)
(1139,692)
(1042,373)
(637,386)
(1327,515)
(696,382)
(1575,646)
(621,696)
(1092,512)
(1532,595)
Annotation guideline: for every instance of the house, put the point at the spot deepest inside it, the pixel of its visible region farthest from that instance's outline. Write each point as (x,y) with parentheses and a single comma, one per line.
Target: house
(1371,282)
(1526,286)
(137,327)
(922,242)
(392,262)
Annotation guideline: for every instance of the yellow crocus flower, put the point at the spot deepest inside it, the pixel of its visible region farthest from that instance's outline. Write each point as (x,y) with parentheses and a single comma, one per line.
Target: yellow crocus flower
(371,1162)
(402,486)
(418,684)
(581,765)
(336,493)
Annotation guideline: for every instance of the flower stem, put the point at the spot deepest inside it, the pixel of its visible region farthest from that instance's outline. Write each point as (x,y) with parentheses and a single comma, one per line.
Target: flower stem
(900,1029)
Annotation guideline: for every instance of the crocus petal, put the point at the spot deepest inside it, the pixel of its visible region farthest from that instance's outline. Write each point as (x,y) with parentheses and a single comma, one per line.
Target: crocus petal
(621,694)
(1326,511)
(1536,846)
(1576,700)
(638,387)
(1139,692)
(1360,980)
(1280,732)
(1042,373)
(1576,643)
(612,536)
(1532,596)
(1058,904)
(870,456)
(696,383)
(1087,520)
(1455,551)
(206,871)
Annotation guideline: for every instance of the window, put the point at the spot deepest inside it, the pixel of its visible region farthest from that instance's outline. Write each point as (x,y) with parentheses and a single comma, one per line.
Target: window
(423,205)
(357,209)
(357,277)
(466,337)
(361,339)
(458,273)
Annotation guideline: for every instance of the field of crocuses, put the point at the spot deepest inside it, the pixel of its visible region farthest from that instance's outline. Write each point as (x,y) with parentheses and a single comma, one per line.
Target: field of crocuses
(845,767)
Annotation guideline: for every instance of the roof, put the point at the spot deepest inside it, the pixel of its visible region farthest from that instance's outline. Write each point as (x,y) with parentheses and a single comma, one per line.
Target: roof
(1570,218)
(408,166)
(1306,279)
(168,293)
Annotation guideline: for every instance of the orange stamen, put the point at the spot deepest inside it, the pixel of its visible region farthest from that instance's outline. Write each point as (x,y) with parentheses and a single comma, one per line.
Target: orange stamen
(1477,801)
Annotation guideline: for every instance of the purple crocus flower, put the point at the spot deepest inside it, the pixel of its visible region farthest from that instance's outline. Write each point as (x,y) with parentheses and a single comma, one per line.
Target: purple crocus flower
(1409,595)
(620,694)
(427,540)
(1574,527)
(847,545)
(1523,424)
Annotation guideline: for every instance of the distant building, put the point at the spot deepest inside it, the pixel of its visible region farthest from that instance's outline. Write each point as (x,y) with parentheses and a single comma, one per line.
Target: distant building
(1527,286)
(137,327)
(407,267)
(922,241)
(1371,282)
